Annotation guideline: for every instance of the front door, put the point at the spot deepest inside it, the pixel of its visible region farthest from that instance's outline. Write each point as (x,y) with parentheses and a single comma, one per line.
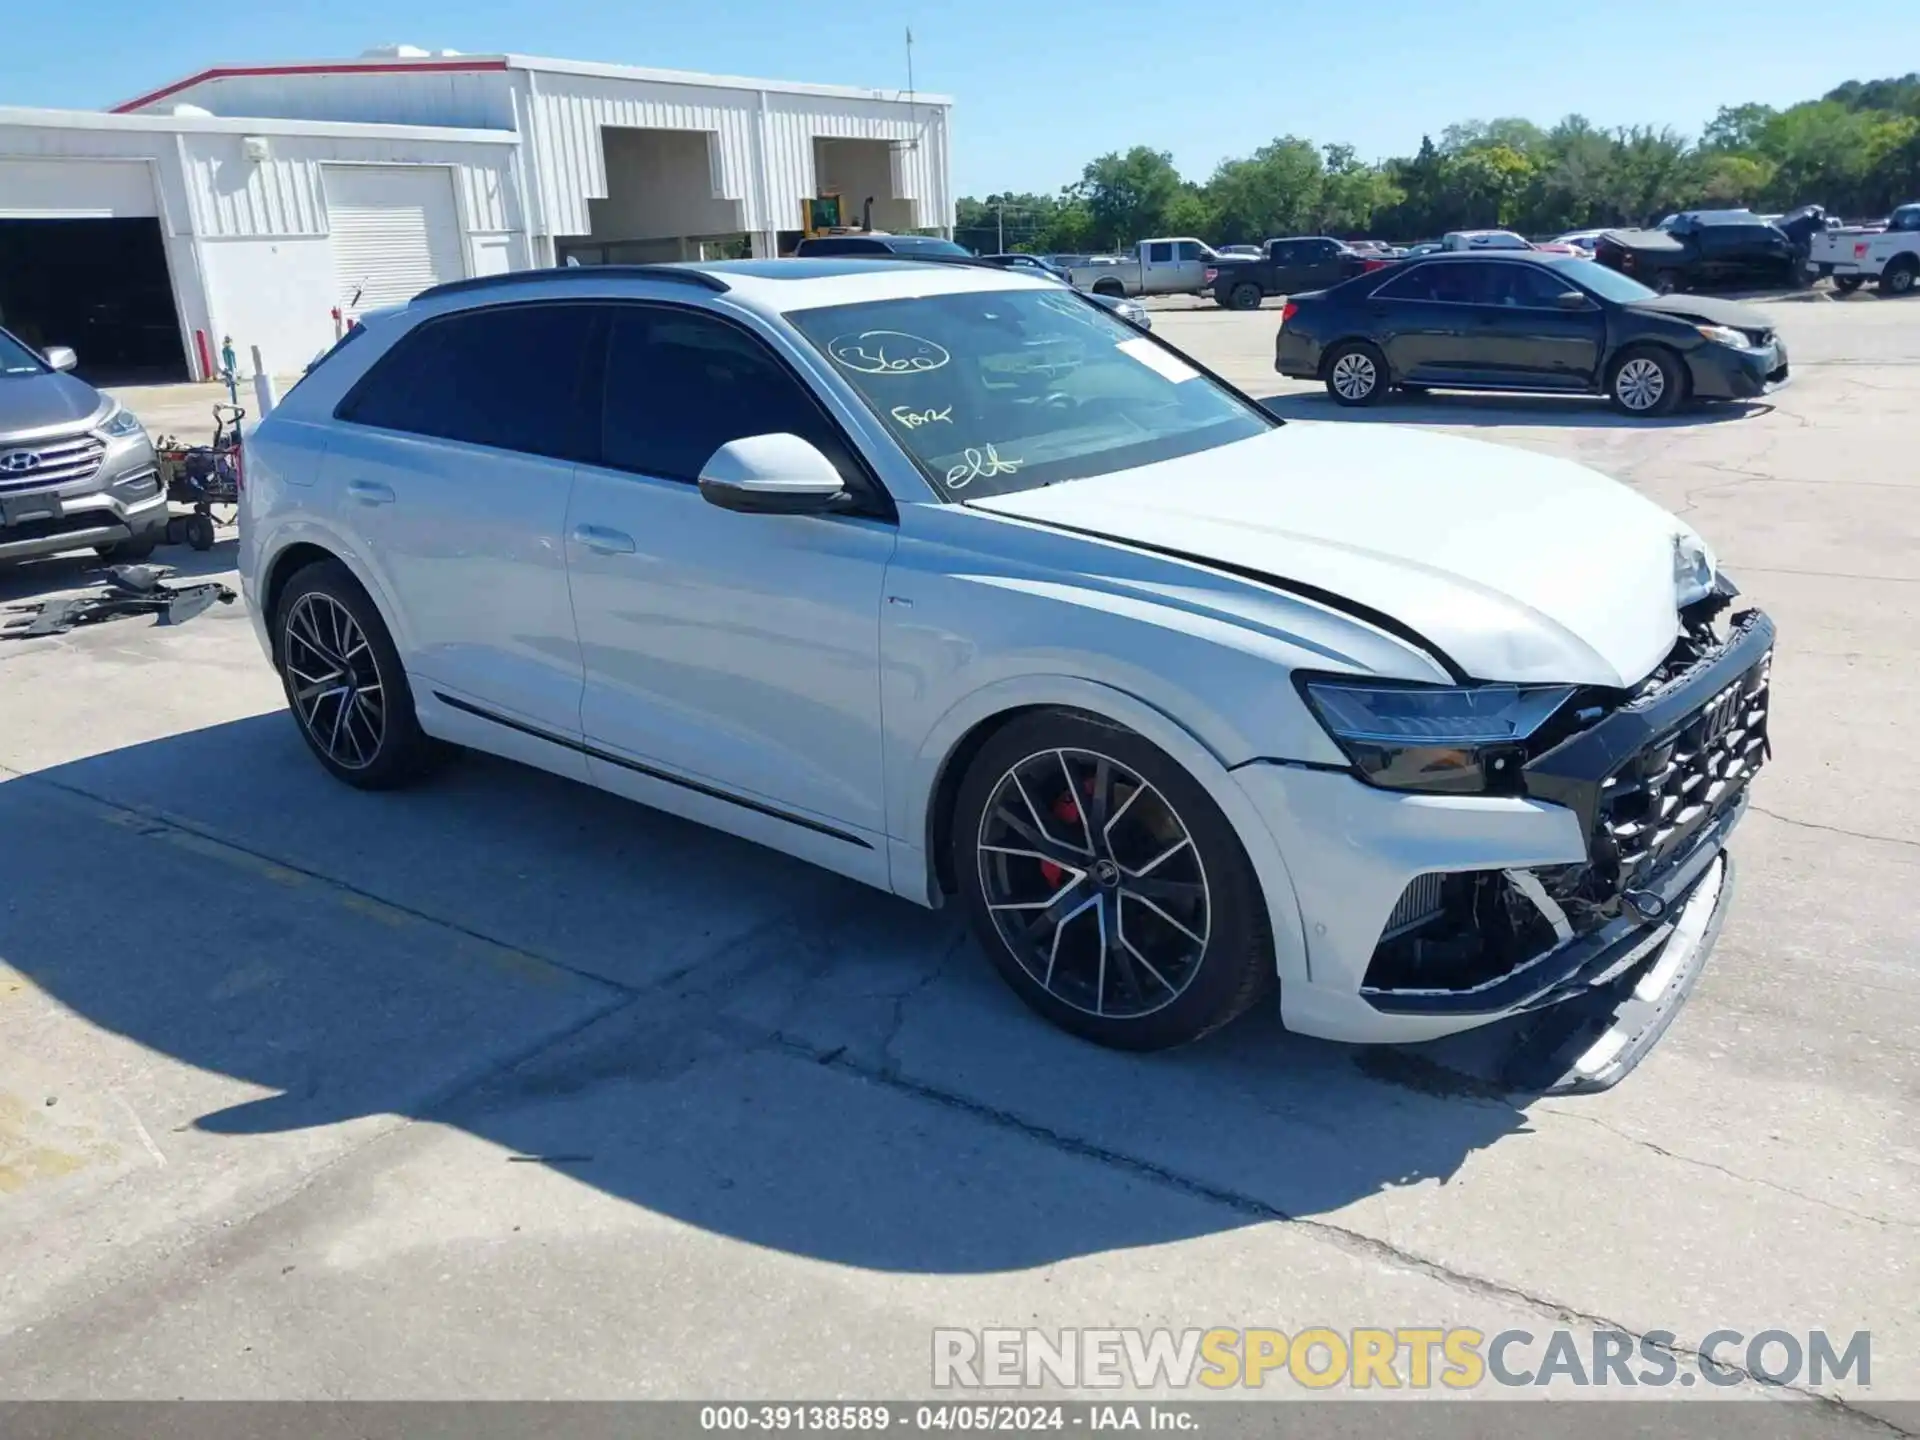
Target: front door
(1527,339)
(453,473)
(732,658)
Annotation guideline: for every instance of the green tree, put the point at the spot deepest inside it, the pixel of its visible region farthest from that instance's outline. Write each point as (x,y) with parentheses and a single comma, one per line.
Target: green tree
(1275,191)
(1129,195)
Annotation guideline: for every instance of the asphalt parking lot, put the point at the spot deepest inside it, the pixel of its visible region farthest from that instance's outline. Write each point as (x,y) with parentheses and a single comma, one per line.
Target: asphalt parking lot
(503,1087)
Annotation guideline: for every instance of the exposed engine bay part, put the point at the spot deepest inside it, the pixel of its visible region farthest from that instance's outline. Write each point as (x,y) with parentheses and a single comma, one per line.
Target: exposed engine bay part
(1657,775)
(130,590)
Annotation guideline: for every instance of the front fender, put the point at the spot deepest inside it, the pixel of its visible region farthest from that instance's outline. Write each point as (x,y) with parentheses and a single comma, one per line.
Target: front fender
(915,875)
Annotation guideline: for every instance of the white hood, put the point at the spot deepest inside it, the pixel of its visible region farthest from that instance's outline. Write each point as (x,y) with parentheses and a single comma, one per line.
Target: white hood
(1517,566)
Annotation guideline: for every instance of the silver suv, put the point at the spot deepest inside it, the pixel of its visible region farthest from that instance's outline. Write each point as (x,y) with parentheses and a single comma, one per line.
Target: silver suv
(76,467)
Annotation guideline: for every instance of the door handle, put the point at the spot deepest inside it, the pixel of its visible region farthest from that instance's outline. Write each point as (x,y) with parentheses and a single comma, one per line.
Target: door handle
(369,493)
(603,541)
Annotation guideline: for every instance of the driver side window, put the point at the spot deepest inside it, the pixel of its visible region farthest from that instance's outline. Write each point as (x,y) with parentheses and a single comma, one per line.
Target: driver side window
(679,384)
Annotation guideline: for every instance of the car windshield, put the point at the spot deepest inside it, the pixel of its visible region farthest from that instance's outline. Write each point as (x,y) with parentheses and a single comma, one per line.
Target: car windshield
(925,245)
(16,359)
(1607,284)
(996,391)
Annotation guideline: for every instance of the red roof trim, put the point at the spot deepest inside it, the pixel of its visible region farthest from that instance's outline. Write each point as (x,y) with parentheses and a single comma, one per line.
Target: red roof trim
(368,67)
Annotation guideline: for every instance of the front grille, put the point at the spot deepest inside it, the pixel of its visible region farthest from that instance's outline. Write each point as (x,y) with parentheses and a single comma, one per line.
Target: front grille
(1660,799)
(1420,902)
(54,462)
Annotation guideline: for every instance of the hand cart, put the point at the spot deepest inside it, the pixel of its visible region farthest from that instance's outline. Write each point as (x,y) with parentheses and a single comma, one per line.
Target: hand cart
(201,477)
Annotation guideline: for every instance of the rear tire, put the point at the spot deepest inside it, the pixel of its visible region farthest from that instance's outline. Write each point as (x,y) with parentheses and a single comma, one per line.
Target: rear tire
(1112,288)
(1899,276)
(344,681)
(1646,381)
(1356,373)
(1145,930)
(1847,284)
(1244,296)
(1667,283)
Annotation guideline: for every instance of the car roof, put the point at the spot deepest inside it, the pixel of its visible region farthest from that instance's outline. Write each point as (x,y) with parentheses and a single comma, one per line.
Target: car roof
(1500,257)
(772,287)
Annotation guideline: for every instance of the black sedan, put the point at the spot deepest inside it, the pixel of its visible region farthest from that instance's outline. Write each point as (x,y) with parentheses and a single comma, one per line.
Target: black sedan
(1526,321)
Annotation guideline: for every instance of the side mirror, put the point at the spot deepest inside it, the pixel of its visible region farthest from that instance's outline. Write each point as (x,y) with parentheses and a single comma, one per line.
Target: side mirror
(771,475)
(1570,300)
(60,357)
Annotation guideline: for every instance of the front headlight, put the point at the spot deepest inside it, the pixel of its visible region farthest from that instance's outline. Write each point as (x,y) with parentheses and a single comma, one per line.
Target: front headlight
(1455,739)
(1726,335)
(1693,570)
(122,423)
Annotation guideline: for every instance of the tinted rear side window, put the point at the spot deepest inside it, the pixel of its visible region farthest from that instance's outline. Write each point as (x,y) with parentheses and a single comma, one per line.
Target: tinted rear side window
(507,377)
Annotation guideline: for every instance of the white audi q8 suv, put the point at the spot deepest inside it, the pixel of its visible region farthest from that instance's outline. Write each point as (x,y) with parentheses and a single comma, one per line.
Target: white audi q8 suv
(949,581)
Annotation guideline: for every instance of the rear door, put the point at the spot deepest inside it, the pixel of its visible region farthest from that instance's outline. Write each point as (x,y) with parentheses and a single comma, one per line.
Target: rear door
(452,470)
(1427,320)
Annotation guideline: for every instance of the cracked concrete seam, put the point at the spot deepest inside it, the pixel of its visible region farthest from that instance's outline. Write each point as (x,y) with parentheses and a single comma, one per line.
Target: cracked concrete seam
(1833,829)
(1663,1151)
(1347,1240)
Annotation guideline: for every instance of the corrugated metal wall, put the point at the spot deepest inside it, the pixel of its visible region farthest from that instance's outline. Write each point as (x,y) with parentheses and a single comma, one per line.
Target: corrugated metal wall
(463,100)
(919,156)
(568,112)
(282,195)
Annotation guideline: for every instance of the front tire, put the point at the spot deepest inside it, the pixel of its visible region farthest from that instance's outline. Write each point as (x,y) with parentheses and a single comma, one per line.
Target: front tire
(1106,886)
(1356,374)
(344,681)
(1646,381)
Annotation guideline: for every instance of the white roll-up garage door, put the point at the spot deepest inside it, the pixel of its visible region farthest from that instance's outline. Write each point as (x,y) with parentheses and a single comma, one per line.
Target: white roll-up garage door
(395,232)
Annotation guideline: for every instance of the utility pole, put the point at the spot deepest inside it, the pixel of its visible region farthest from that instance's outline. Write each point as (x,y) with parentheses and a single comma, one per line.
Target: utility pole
(1000,226)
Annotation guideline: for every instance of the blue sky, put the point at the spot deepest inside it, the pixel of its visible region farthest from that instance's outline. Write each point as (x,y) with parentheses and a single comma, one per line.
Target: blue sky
(1042,87)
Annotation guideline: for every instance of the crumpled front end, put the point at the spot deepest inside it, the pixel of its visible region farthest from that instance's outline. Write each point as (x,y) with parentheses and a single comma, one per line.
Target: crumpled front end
(1589,899)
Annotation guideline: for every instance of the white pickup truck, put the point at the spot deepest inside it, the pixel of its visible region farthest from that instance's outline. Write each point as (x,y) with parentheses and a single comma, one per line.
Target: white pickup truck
(1852,256)
(1176,266)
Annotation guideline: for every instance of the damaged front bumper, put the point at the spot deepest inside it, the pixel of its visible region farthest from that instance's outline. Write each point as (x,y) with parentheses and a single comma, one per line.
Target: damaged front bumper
(1594,895)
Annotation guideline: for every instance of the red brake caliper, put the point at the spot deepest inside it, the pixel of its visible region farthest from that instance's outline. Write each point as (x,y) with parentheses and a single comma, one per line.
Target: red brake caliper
(1068,813)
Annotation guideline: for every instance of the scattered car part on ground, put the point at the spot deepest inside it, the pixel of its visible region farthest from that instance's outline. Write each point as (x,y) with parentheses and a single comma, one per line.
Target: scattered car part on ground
(130,590)
(973,591)
(1286,267)
(1524,320)
(1890,255)
(76,468)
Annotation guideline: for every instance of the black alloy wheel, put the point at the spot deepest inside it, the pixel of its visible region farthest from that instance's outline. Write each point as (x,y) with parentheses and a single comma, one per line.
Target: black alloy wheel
(1106,886)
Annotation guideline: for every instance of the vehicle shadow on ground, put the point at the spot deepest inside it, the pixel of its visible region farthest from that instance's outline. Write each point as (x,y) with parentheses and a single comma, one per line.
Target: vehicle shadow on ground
(754,1047)
(1461,407)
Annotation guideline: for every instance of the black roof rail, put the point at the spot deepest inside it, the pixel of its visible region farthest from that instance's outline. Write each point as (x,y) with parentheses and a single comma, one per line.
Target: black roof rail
(683,274)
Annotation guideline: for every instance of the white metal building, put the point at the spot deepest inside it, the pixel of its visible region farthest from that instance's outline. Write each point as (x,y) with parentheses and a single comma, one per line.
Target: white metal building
(252,202)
